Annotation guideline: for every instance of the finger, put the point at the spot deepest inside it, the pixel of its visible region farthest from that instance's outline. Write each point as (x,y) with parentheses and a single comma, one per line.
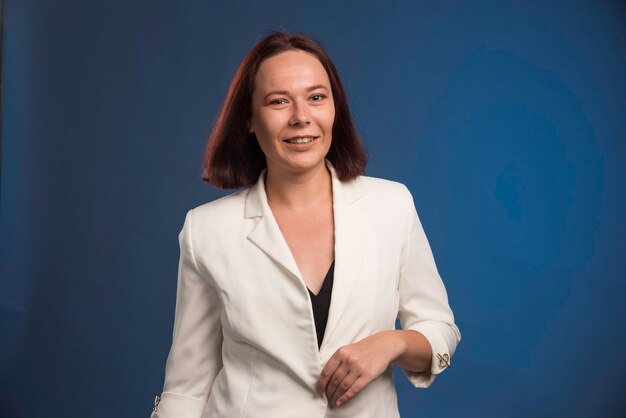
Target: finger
(336,379)
(327,372)
(354,390)
(343,387)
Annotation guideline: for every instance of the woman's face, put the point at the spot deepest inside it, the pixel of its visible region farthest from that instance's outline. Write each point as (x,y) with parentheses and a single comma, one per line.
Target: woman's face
(292,112)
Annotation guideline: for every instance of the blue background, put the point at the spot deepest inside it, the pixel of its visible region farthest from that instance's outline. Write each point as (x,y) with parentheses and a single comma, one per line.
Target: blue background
(506,119)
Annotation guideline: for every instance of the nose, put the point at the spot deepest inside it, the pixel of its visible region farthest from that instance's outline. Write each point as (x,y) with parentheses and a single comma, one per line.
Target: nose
(300,115)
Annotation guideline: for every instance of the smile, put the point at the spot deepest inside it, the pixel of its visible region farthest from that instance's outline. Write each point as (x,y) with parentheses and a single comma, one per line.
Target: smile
(302,140)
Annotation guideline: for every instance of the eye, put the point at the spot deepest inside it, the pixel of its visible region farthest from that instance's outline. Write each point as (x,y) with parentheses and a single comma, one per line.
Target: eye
(277,101)
(321,97)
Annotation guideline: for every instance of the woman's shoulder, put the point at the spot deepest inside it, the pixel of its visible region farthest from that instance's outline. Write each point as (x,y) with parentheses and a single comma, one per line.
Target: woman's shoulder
(221,208)
(377,187)
(385,199)
(389,203)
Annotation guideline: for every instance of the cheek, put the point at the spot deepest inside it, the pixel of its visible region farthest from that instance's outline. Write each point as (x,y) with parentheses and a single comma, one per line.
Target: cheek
(329,120)
(329,115)
(267,130)
(269,124)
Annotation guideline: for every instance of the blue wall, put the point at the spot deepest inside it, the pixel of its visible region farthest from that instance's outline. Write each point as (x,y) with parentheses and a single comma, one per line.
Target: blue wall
(505,119)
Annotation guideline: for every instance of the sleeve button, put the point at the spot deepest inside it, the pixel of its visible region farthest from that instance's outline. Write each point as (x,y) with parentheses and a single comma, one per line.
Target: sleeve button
(444,360)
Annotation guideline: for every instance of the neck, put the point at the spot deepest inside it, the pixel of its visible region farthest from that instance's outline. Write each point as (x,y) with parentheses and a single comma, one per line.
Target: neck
(300,191)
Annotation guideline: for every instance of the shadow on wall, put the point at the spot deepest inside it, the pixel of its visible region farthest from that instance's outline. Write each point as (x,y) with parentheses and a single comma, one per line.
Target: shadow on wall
(524,176)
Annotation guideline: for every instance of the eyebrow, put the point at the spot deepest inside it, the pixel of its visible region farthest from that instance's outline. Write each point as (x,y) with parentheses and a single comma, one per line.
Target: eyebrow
(315,87)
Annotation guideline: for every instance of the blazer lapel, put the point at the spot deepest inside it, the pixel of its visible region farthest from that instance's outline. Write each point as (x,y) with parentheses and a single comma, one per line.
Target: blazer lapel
(266,234)
(351,230)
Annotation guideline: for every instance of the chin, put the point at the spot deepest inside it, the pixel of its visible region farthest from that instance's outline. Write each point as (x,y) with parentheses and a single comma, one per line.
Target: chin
(304,165)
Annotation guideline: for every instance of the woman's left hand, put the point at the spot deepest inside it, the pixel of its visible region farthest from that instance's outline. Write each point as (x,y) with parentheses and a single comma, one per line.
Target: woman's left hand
(354,366)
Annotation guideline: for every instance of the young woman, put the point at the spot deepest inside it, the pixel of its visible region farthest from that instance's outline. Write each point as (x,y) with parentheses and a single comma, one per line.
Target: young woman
(288,290)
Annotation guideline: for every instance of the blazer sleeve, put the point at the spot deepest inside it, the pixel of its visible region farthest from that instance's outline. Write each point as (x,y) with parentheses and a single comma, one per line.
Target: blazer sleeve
(194,358)
(423,300)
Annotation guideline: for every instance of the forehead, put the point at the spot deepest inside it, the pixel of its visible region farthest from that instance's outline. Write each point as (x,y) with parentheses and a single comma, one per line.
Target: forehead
(290,70)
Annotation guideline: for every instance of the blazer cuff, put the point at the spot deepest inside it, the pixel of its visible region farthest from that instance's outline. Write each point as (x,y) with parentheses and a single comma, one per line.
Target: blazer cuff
(442,352)
(175,405)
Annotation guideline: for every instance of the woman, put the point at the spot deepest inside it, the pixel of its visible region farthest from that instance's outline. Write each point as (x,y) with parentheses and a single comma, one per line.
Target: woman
(288,290)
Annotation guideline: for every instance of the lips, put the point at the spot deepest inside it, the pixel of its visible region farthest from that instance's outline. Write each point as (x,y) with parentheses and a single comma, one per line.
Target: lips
(301,139)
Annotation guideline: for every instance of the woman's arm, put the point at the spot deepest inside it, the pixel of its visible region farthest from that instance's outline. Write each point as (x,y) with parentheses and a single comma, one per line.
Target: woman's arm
(354,366)
(415,354)
(423,301)
(195,357)
(425,345)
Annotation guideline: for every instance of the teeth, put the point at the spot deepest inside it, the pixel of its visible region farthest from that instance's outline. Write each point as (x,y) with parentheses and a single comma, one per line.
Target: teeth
(300,140)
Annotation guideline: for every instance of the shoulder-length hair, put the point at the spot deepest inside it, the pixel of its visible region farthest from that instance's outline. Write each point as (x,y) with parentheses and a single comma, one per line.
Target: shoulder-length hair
(233,157)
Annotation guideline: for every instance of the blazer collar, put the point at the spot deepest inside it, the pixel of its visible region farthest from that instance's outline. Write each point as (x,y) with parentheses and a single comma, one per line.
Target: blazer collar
(351,230)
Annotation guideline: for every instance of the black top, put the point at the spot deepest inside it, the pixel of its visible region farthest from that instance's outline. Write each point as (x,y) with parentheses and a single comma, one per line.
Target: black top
(321,304)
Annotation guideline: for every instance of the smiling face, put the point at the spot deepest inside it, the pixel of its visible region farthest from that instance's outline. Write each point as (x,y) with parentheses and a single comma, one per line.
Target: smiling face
(292,112)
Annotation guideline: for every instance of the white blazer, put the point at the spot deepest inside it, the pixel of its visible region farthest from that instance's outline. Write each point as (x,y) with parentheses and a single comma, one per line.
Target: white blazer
(244,341)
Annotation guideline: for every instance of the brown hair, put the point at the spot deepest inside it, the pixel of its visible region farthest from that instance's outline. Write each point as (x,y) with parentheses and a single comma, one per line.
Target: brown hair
(233,157)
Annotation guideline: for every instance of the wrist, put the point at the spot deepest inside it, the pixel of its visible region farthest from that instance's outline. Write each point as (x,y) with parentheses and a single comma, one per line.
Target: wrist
(416,355)
(395,344)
